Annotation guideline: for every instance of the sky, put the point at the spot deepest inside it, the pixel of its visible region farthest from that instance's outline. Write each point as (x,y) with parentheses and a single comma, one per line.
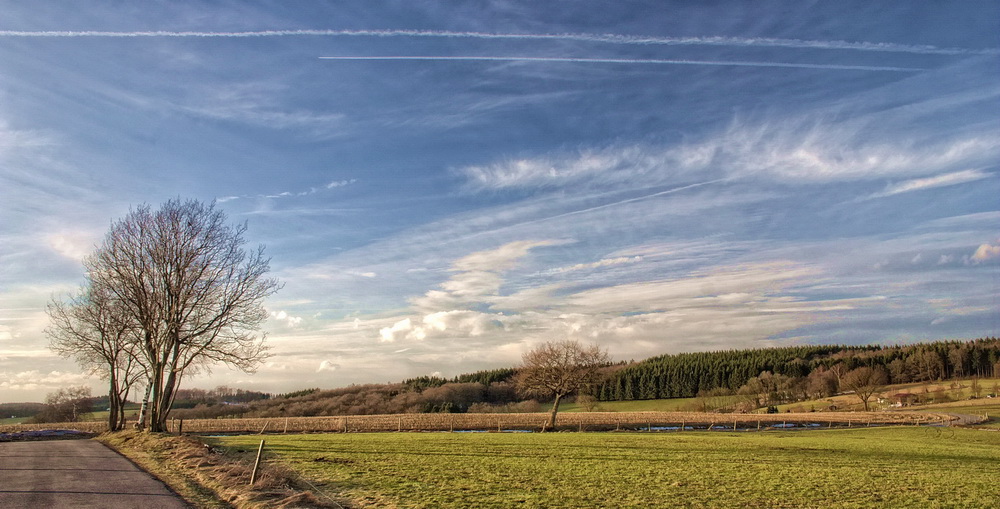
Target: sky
(442,186)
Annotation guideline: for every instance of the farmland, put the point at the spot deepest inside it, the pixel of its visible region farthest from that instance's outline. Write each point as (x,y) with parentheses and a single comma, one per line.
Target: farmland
(890,466)
(579,421)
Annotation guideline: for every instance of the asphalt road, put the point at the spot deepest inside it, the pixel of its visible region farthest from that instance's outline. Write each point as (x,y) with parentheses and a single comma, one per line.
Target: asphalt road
(60,474)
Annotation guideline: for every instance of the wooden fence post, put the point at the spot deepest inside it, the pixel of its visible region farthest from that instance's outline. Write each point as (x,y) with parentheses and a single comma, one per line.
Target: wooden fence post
(256,464)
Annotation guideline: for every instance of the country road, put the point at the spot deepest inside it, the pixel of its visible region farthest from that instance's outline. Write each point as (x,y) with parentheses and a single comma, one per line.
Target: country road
(61,474)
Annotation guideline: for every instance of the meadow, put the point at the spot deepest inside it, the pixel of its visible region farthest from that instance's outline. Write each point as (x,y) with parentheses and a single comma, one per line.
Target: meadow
(868,467)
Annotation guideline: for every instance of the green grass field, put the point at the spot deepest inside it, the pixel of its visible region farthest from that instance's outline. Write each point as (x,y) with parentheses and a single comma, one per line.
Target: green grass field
(877,467)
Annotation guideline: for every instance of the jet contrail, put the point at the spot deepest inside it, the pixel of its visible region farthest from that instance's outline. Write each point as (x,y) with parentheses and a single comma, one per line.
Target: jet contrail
(582,37)
(601,207)
(634,61)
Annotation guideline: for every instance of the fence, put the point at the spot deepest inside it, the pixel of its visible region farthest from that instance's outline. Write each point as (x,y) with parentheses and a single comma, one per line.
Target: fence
(579,421)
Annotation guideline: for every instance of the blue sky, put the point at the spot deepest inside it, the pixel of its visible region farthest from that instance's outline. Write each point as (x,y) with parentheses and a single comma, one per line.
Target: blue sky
(442,186)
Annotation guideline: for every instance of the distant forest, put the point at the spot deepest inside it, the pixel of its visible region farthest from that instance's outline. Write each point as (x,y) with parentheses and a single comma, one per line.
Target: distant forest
(688,374)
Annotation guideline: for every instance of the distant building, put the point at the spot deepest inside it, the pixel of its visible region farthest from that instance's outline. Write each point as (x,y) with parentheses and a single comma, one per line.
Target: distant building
(901,399)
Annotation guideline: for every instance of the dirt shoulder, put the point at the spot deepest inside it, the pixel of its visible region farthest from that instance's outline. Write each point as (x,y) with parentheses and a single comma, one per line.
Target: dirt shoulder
(210,479)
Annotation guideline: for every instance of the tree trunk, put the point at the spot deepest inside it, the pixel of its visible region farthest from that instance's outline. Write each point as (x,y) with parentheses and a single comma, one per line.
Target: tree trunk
(113,407)
(122,399)
(552,415)
(144,409)
(167,393)
(157,395)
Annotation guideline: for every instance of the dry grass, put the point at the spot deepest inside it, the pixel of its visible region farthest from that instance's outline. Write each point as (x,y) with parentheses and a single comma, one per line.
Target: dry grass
(211,479)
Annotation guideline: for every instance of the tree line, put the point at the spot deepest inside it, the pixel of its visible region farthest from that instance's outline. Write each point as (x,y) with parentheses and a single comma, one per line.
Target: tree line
(687,375)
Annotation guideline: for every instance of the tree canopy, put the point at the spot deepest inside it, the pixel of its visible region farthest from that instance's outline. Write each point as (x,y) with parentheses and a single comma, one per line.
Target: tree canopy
(557,369)
(187,291)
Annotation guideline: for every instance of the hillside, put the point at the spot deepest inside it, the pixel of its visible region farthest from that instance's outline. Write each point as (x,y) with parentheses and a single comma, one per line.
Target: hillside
(733,379)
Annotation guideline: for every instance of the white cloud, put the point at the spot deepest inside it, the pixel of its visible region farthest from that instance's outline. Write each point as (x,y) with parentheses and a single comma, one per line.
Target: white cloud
(35,380)
(464,321)
(289,194)
(340,183)
(607,262)
(72,245)
(286,319)
(327,366)
(478,277)
(868,136)
(948,179)
(986,252)
(613,164)
(399,329)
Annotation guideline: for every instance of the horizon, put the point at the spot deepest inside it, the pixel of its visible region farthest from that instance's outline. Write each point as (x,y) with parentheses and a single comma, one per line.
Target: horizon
(442,187)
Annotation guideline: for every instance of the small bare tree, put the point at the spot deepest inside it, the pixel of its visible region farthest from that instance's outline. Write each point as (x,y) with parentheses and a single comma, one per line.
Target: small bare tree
(65,405)
(92,329)
(558,369)
(865,382)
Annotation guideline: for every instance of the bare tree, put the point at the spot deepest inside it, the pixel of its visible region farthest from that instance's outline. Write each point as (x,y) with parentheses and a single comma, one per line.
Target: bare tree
(558,369)
(838,371)
(865,382)
(194,294)
(92,329)
(65,405)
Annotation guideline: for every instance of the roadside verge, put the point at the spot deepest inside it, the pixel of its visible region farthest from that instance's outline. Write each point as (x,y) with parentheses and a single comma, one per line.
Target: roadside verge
(210,479)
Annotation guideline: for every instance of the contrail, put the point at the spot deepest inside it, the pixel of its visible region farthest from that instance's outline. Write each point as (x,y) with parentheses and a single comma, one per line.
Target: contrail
(582,37)
(601,207)
(633,61)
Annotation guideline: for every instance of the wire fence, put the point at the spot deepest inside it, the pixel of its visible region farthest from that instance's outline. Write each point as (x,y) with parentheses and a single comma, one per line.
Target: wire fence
(512,422)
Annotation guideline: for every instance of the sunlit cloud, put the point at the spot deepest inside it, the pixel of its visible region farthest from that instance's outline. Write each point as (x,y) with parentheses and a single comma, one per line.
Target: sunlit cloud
(948,179)
(327,366)
(986,252)
(607,262)
(790,151)
(286,319)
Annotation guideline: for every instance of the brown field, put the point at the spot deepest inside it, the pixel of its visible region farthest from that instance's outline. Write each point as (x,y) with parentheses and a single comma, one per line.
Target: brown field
(581,421)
